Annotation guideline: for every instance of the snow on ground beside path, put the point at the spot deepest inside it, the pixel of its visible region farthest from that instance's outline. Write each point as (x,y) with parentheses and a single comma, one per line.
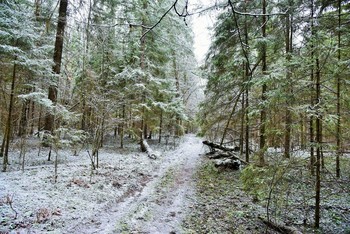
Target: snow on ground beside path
(76,194)
(81,198)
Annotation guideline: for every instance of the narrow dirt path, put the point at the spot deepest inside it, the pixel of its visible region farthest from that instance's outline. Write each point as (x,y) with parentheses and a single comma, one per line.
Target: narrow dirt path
(162,203)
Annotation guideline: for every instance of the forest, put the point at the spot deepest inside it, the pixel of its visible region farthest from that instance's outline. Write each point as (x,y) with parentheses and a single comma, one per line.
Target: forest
(109,124)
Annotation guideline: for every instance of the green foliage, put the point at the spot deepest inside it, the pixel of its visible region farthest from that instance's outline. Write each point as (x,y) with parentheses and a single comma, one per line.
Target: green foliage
(254,181)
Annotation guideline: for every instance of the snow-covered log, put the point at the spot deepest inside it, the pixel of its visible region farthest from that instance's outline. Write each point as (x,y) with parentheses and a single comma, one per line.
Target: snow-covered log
(228,163)
(146,148)
(213,146)
(223,153)
(219,155)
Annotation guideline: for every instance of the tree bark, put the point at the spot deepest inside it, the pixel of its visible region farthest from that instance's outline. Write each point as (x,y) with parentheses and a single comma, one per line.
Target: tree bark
(146,148)
(338,129)
(142,66)
(177,85)
(23,125)
(247,78)
(318,149)
(32,116)
(241,137)
(311,129)
(57,58)
(7,135)
(262,137)
(288,114)
(122,126)
(160,126)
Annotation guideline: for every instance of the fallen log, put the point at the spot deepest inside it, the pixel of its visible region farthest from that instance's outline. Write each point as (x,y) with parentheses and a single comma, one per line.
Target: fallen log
(213,146)
(227,163)
(219,155)
(281,228)
(237,158)
(146,148)
(228,152)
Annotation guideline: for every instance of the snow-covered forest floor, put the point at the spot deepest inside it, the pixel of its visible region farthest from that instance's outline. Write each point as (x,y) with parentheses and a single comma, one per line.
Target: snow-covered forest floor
(128,193)
(179,192)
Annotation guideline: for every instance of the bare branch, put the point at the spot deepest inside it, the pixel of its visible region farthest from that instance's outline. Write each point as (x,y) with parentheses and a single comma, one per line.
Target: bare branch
(185,13)
(158,22)
(121,24)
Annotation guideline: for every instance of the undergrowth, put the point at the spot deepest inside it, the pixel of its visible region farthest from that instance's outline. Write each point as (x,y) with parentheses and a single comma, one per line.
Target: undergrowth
(221,205)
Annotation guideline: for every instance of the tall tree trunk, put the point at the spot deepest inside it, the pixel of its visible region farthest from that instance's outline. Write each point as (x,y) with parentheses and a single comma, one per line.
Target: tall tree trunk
(177,84)
(241,138)
(247,120)
(262,137)
(318,149)
(142,66)
(7,135)
(57,58)
(338,133)
(312,156)
(288,114)
(247,79)
(86,51)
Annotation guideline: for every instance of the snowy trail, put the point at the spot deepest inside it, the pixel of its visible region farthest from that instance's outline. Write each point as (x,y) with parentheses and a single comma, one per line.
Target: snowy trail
(162,203)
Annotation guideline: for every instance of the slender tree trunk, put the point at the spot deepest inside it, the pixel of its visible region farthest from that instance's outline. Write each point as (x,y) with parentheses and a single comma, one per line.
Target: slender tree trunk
(160,126)
(338,133)
(62,18)
(241,138)
(23,125)
(145,131)
(262,137)
(9,118)
(86,51)
(83,117)
(312,156)
(122,128)
(288,114)
(318,149)
(302,132)
(32,113)
(177,84)
(247,79)
(142,66)
(247,124)
(2,150)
